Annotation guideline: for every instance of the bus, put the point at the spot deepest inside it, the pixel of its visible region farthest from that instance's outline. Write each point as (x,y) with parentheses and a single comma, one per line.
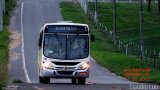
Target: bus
(64,52)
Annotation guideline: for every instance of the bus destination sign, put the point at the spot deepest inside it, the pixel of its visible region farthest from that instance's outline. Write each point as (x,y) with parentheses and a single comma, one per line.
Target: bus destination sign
(69,29)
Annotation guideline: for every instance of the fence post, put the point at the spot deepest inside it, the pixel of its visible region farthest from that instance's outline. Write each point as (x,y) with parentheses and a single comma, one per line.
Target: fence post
(103,28)
(111,35)
(159,60)
(132,48)
(154,58)
(150,57)
(95,17)
(100,26)
(138,51)
(92,14)
(106,28)
(127,49)
(106,31)
(146,53)
(119,44)
(130,1)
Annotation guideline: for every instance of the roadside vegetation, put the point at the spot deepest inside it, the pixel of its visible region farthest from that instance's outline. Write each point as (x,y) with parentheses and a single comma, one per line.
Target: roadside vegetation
(4,43)
(103,50)
(128,22)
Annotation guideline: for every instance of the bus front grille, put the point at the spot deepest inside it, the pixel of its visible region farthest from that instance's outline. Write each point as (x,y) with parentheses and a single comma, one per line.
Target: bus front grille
(66,63)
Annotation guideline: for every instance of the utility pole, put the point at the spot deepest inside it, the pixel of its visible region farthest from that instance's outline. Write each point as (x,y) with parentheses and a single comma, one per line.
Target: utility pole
(95,12)
(95,5)
(86,6)
(114,21)
(141,31)
(4,9)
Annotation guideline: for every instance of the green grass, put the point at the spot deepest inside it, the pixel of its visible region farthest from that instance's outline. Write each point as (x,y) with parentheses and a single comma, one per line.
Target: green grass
(9,7)
(102,50)
(4,42)
(128,22)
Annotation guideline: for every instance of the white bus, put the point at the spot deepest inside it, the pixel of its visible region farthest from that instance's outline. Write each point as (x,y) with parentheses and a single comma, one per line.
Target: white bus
(64,52)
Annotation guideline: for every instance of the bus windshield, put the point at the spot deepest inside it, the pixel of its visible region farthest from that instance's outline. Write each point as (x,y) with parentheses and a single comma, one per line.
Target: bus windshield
(67,47)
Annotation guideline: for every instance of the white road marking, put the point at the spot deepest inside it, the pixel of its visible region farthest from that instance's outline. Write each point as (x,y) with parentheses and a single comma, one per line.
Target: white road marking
(93,60)
(23,57)
(38,88)
(104,68)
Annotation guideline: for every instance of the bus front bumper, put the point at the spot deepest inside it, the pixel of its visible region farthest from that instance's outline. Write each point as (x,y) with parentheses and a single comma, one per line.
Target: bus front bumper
(64,73)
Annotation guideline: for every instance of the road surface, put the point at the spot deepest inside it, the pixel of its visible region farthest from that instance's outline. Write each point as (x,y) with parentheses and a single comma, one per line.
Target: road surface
(27,19)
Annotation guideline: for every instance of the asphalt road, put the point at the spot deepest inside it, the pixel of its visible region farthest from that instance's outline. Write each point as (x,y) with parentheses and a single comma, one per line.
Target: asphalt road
(27,19)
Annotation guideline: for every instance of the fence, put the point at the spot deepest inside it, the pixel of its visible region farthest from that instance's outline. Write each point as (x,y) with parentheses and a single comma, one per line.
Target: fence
(132,48)
(145,1)
(2,9)
(84,5)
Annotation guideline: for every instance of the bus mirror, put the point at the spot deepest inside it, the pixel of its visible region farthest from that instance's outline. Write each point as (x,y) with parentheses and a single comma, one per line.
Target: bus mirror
(92,38)
(39,44)
(40,40)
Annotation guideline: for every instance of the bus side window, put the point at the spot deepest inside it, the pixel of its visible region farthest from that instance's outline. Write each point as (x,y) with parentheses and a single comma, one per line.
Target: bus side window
(40,40)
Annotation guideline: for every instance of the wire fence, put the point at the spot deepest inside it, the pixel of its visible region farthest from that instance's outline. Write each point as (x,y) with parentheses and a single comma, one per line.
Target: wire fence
(152,57)
(84,5)
(131,1)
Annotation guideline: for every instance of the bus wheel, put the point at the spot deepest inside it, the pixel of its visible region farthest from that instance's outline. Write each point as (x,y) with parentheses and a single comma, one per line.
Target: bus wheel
(74,80)
(44,80)
(81,81)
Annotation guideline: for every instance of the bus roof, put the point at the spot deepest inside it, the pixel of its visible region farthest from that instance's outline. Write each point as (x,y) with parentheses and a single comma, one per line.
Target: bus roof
(63,23)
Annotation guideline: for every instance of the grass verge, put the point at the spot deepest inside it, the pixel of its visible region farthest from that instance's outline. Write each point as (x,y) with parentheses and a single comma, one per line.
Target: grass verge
(102,50)
(128,22)
(4,42)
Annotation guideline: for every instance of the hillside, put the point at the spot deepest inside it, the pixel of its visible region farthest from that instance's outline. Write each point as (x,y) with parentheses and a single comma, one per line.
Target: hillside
(128,22)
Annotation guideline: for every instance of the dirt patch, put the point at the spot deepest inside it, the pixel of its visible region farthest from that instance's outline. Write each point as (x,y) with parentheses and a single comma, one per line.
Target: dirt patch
(15,38)
(13,55)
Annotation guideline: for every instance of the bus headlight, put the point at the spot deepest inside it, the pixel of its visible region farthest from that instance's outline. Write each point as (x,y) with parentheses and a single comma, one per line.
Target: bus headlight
(47,65)
(84,66)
